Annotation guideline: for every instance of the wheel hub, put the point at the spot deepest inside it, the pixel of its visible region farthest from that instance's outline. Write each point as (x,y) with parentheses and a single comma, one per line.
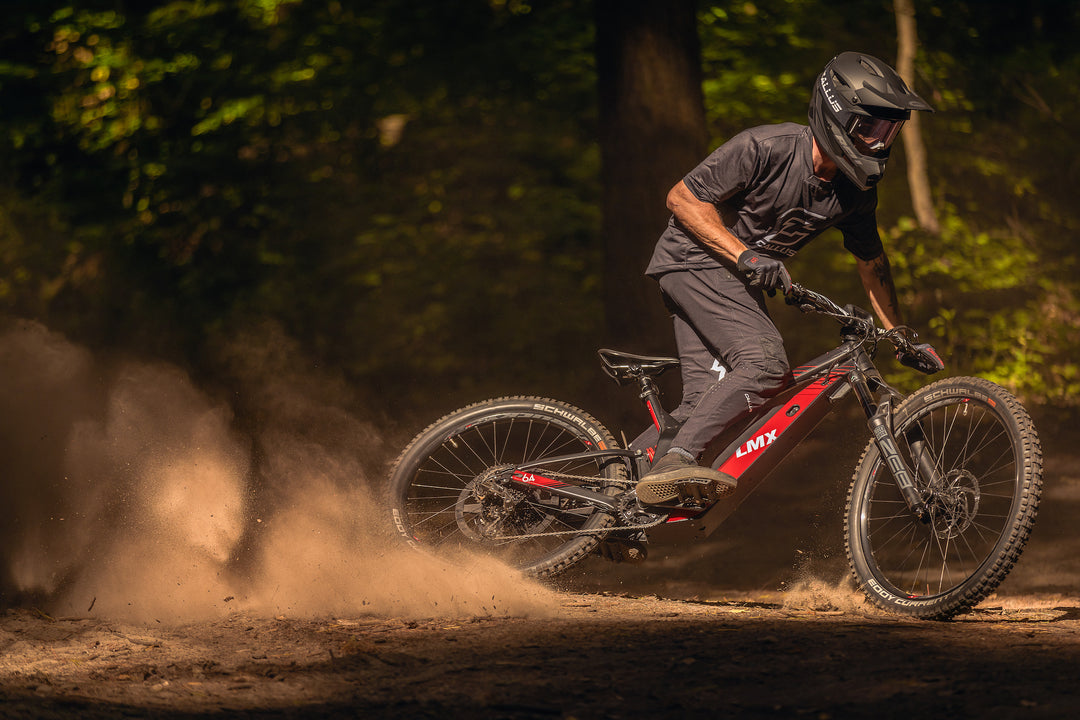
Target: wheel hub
(484,505)
(955,505)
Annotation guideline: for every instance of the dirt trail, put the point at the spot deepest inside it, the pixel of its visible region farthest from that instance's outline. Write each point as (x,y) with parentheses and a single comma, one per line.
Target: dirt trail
(596,656)
(283,592)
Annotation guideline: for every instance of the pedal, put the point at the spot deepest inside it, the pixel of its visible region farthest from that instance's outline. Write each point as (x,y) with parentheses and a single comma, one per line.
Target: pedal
(657,492)
(707,491)
(694,491)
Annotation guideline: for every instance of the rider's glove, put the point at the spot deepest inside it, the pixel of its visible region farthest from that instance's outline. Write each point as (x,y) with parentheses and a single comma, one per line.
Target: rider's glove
(764,272)
(924,359)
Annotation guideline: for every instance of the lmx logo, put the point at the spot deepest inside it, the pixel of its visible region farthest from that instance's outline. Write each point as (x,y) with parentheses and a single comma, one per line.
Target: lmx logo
(756,443)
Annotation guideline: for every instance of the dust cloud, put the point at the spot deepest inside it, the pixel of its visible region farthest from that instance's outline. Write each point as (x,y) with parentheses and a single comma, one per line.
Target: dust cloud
(819,594)
(130,492)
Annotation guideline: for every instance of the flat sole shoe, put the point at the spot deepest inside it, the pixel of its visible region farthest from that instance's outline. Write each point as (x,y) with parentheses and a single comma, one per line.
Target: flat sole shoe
(675,486)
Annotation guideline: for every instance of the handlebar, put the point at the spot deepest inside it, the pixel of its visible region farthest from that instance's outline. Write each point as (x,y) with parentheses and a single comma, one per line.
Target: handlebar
(859,324)
(809,301)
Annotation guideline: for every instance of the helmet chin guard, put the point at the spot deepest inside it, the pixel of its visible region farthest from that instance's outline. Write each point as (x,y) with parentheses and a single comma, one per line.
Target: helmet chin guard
(857,108)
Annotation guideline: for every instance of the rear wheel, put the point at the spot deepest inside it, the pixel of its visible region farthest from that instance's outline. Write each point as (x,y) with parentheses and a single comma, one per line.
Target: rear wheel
(981,473)
(446,492)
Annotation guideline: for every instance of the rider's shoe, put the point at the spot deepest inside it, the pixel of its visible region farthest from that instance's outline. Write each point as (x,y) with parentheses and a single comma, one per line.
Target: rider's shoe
(676,478)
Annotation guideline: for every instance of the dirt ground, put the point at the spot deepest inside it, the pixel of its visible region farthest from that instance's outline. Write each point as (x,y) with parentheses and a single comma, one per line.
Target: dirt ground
(326,617)
(595,656)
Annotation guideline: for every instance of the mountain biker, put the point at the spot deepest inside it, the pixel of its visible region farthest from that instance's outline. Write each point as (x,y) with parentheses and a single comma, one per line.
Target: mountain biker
(756,200)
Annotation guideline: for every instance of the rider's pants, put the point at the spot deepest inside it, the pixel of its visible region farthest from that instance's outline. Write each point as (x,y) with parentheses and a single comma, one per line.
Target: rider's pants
(732,355)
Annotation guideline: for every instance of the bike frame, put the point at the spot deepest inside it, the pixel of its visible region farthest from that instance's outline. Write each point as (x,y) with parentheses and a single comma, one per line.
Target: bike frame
(751,449)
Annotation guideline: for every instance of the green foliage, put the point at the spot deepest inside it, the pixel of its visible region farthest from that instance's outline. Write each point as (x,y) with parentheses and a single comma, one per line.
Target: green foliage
(404,186)
(411,188)
(997,290)
(759,60)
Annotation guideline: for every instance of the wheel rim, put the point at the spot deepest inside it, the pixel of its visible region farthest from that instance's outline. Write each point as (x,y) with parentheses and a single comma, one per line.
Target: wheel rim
(454,500)
(971,503)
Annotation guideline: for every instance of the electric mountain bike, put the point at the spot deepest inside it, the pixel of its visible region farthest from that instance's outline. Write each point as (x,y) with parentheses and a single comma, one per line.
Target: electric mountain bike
(939,508)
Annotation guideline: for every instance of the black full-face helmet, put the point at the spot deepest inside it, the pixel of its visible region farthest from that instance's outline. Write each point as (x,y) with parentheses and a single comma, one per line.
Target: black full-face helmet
(858,106)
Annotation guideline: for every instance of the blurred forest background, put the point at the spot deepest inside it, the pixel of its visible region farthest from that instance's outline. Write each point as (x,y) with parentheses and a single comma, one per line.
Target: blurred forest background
(443,201)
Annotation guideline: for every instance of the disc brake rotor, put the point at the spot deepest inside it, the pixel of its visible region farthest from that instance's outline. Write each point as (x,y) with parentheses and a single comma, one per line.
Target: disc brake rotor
(955,505)
(483,505)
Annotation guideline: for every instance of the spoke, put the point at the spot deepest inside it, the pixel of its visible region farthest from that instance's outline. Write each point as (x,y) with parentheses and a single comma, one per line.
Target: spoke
(441,512)
(963,537)
(455,491)
(947,429)
(556,514)
(886,542)
(495,452)
(915,547)
(986,440)
(449,449)
(441,537)
(489,449)
(968,445)
(924,569)
(1007,462)
(527,442)
(1010,482)
(428,497)
(448,510)
(944,552)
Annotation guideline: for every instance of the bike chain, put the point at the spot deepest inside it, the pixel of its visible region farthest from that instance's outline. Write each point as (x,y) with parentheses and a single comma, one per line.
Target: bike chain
(626,482)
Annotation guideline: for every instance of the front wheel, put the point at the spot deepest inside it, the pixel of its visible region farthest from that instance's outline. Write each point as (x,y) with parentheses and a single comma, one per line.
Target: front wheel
(445,491)
(981,475)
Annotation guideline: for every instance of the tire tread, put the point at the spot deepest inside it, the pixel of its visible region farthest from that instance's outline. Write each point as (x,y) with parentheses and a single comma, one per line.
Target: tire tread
(1020,527)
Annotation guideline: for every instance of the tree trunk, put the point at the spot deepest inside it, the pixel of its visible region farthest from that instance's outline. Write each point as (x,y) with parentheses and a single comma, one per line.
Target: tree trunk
(914,149)
(652,132)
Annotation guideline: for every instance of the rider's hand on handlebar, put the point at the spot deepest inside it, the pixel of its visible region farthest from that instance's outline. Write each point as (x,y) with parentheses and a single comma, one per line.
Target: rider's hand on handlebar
(765,272)
(923,357)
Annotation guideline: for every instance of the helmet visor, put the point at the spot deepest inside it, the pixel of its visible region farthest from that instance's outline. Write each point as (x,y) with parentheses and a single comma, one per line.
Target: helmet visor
(871,135)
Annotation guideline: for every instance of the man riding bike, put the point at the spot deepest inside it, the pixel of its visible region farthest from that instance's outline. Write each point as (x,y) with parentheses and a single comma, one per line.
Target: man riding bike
(754,201)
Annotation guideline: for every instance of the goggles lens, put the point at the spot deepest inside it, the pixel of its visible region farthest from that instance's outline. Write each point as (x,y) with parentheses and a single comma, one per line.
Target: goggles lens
(873,136)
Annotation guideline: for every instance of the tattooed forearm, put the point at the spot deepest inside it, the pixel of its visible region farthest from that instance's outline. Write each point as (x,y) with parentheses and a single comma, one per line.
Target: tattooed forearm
(877,279)
(883,273)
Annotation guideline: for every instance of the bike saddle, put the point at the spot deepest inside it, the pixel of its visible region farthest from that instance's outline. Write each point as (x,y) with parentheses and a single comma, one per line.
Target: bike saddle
(625,366)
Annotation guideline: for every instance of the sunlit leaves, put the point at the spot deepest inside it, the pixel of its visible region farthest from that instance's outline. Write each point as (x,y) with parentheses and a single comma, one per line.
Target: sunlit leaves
(759,61)
(229,112)
(411,187)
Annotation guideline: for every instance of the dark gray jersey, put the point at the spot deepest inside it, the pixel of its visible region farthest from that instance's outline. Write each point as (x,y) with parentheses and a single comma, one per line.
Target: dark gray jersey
(763,185)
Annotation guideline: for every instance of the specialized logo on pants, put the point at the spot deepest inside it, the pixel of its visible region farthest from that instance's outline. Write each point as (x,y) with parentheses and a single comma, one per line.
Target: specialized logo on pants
(718,367)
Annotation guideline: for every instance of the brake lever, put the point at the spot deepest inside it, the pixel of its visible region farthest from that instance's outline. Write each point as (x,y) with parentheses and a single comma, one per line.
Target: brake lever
(902,336)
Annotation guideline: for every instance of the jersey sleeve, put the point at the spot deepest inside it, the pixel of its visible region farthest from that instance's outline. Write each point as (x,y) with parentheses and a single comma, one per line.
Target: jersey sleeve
(727,171)
(861,237)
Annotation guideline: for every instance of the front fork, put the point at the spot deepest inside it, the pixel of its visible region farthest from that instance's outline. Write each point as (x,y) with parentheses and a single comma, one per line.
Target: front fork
(879,419)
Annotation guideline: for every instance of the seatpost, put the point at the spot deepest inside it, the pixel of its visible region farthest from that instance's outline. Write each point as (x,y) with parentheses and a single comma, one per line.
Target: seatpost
(665,424)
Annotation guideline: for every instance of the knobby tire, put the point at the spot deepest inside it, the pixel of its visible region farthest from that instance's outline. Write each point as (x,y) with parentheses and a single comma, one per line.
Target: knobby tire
(439,500)
(983,504)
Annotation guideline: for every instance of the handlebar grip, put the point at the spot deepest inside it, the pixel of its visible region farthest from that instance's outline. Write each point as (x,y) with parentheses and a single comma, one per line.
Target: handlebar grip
(809,301)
